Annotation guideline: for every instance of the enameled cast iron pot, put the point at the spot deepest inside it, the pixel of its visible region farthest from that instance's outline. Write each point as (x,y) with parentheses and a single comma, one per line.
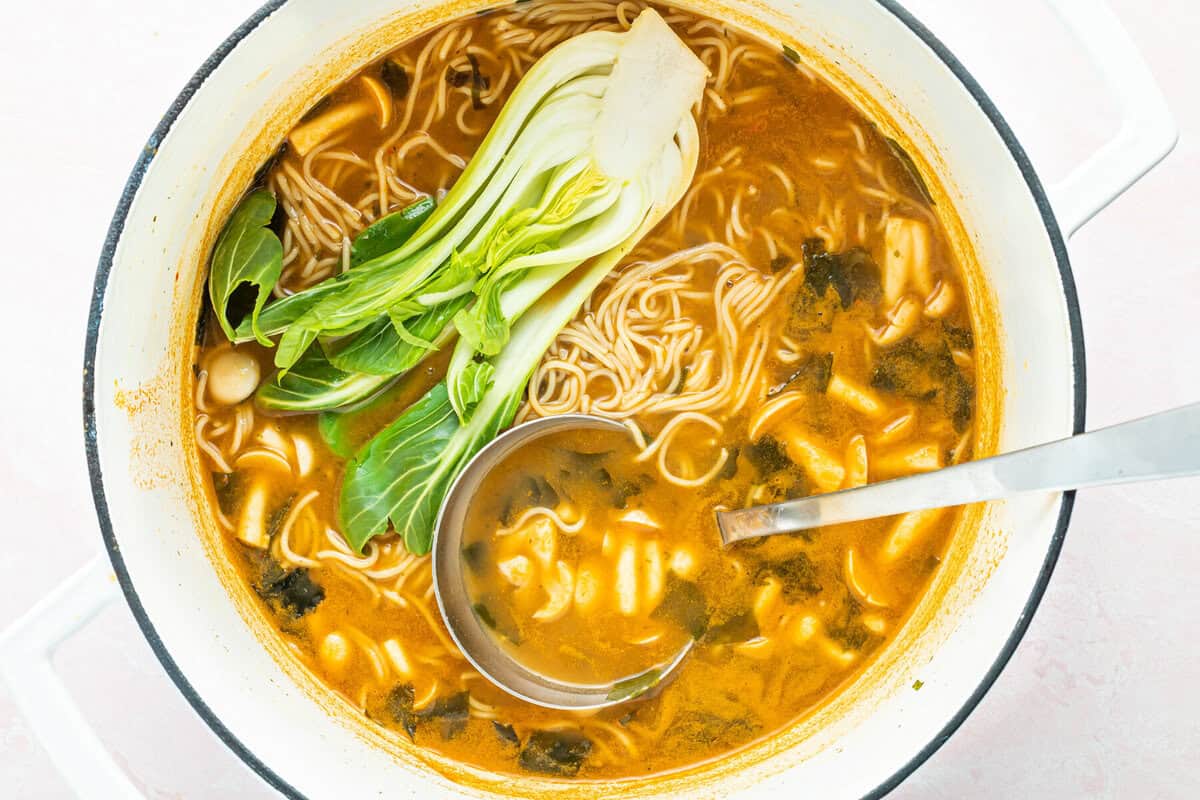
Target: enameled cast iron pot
(277,719)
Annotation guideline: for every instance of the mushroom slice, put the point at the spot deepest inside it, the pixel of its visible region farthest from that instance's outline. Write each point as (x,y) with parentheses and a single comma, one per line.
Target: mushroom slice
(902,320)
(911,527)
(862,582)
(541,537)
(821,465)
(587,587)
(561,590)
(860,398)
(252,524)
(907,249)
(654,572)
(856,462)
(639,518)
(382,99)
(627,578)
(516,570)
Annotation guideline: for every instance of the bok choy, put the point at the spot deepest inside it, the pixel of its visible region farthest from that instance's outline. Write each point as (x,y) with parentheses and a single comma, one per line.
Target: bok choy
(593,148)
(641,150)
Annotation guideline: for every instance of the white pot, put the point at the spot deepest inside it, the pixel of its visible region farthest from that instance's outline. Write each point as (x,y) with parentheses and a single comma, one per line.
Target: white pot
(278,720)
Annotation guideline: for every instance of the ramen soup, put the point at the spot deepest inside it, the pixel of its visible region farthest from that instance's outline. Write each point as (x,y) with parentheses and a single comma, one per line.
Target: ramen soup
(746,273)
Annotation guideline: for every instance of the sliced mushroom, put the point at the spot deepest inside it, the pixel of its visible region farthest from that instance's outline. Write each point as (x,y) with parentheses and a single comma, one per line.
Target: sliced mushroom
(382,98)
(907,250)
(908,531)
(856,462)
(334,652)
(860,398)
(627,578)
(941,301)
(252,524)
(863,582)
(822,466)
(560,588)
(683,562)
(915,457)
(901,321)
(516,570)
(654,573)
(396,655)
(588,586)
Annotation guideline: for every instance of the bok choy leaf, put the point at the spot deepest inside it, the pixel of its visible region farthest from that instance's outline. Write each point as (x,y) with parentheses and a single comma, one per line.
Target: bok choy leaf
(247,252)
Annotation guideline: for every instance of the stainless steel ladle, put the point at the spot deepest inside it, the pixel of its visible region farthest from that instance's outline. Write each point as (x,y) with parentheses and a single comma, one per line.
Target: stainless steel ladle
(1164,445)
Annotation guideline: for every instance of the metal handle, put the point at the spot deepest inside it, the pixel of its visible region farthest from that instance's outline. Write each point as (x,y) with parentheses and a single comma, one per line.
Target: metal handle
(1164,445)
(1147,131)
(26,650)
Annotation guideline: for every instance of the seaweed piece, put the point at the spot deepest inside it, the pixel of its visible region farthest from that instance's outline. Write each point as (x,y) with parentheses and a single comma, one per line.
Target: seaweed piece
(635,686)
(958,338)
(738,628)
(534,490)
(852,274)
(479,82)
(684,604)
(298,593)
(904,369)
(395,77)
(767,455)
(958,400)
(506,733)
(910,168)
(457,78)
(290,592)
(316,108)
(400,705)
(811,376)
(278,516)
(558,753)
(450,713)
(228,488)
(714,730)
(850,633)
(629,488)
(796,573)
(495,615)
(779,263)
(476,555)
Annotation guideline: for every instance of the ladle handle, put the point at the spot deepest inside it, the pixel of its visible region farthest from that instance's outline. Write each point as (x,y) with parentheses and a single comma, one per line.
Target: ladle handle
(1164,445)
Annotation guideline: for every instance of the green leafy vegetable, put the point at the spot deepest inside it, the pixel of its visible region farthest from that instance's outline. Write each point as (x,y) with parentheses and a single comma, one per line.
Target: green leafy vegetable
(768,456)
(396,475)
(389,232)
(314,385)
(559,753)
(684,604)
(812,375)
(635,686)
(247,252)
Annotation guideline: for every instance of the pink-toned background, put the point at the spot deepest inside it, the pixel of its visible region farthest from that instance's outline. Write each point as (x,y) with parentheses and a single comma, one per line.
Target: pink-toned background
(1101,700)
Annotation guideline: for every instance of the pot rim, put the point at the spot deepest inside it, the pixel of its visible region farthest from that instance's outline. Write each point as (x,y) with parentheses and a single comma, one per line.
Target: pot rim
(96,311)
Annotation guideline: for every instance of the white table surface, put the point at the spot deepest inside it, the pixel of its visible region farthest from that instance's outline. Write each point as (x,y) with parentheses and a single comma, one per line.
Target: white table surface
(1101,699)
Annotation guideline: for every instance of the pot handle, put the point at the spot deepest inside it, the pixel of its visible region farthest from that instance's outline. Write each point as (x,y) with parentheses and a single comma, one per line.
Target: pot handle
(1147,132)
(26,652)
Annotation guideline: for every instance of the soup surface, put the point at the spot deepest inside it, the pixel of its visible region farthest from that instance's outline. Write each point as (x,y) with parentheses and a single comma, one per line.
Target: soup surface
(797,324)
